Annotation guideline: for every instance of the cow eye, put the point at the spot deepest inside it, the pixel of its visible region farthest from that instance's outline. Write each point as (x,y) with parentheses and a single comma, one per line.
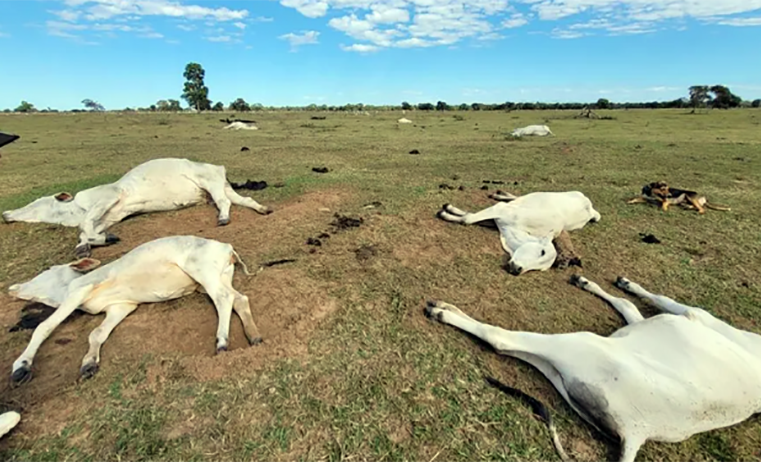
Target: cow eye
(544,252)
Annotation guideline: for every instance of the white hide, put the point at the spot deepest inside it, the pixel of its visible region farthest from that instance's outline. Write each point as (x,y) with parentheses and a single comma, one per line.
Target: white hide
(160,270)
(404,120)
(154,186)
(532,130)
(8,421)
(528,224)
(240,126)
(665,378)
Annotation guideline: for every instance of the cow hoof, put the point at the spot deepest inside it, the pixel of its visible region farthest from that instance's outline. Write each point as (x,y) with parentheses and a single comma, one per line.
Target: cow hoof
(440,215)
(88,370)
(6,217)
(83,251)
(223,222)
(22,375)
(429,306)
(622,283)
(575,262)
(267,210)
(255,341)
(112,239)
(222,348)
(578,281)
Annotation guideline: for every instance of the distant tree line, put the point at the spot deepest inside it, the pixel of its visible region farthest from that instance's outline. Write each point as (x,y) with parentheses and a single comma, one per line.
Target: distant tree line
(196,94)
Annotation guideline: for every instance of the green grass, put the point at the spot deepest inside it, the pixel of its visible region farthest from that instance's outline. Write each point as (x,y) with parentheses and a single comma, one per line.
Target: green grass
(375,379)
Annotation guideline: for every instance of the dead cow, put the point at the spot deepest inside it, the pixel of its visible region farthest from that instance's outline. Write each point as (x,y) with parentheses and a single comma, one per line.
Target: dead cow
(665,378)
(532,130)
(159,270)
(8,420)
(154,186)
(529,224)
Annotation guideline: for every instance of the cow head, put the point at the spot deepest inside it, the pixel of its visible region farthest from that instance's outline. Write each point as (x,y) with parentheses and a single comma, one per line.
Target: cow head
(57,209)
(51,286)
(534,255)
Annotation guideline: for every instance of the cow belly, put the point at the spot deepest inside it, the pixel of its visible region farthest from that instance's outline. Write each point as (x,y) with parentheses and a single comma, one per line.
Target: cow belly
(155,283)
(162,197)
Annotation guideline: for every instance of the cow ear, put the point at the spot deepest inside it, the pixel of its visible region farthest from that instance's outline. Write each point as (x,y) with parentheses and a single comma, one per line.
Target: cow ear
(64,197)
(84,265)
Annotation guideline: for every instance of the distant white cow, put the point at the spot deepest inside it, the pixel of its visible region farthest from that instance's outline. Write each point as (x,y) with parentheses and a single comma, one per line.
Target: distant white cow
(528,224)
(159,270)
(154,186)
(8,420)
(241,126)
(404,120)
(665,378)
(532,130)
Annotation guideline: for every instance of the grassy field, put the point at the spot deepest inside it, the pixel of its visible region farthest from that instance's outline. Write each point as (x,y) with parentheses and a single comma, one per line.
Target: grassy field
(350,369)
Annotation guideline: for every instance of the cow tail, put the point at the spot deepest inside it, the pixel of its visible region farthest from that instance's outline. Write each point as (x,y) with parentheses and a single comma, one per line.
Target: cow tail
(540,410)
(242,263)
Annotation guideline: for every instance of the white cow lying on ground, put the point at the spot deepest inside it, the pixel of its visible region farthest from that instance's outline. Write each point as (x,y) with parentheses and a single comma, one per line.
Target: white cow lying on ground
(533,130)
(8,420)
(665,378)
(528,224)
(240,126)
(154,186)
(404,120)
(159,270)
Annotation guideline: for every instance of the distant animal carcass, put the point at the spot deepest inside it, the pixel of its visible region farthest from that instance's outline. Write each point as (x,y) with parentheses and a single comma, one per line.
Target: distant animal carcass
(404,120)
(532,130)
(238,125)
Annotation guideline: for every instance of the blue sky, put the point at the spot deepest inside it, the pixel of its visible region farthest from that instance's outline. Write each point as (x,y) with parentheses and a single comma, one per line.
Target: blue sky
(127,53)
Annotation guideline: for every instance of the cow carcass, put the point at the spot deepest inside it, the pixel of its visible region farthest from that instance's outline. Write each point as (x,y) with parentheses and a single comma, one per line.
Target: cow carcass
(154,186)
(532,130)
(160,270)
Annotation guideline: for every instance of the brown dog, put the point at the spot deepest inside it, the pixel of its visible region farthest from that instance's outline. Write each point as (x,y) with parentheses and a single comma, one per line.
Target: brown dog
(660,193)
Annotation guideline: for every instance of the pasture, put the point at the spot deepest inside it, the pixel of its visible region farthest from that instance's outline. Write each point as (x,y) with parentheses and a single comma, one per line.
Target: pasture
(350,368)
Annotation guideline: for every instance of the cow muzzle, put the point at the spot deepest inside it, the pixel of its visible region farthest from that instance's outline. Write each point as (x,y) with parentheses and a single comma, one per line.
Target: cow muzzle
(7,217)
(514,269)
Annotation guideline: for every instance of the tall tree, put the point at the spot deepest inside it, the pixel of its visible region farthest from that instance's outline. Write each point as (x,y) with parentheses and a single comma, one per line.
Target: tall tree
(756,103)
(93,105)
(442,106)
(723,97)
(25,107)
(603,103)
(219,107)
(240,105)
(195,92)
(699,96)
(406,106)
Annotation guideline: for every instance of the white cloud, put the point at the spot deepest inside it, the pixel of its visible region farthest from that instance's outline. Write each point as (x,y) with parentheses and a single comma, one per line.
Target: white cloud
(186,27)
(308,37)
(239,25)
(446,22)
(219,38)
(262,19)
(516,20)
(95,10)
(741,22)
(360,48)
(4,35)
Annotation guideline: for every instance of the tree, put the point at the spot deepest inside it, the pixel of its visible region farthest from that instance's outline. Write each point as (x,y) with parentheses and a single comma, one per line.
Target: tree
(406,106)
(219,107)
(239,105)
(93,105)
(463,107)
(699,96)
(442,106)
(723,98)
(168,105)
(195,92)
(425,107)
(25,107)
(476,106)
(260,107)
(756,103)
(602,103)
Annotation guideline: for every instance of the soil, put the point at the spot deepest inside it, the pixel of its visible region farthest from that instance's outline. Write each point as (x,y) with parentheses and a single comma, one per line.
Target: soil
(285,302)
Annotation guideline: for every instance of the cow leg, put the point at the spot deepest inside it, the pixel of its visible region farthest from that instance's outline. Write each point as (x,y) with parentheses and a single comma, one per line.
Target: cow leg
(223,203)
(627,309)
(22,367)
(661,302)
(94,225)
(243,201)
(455,215)
(505,342)
(629,448)
(243,310)
(114,315)
(215,277)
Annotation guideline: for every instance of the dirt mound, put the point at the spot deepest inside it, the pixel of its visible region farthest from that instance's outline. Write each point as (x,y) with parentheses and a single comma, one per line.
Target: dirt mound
(285,302)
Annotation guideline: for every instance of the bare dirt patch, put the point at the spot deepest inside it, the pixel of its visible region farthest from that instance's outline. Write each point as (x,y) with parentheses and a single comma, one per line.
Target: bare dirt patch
(286,304)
